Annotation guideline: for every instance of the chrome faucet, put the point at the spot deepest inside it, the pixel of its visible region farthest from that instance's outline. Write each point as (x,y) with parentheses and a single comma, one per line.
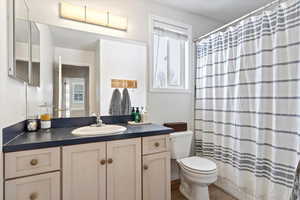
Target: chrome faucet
(99,122)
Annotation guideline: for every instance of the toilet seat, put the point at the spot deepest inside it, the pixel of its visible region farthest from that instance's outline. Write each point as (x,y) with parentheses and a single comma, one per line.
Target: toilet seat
(198,165)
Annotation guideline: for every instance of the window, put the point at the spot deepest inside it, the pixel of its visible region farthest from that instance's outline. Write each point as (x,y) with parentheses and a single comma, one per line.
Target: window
(170,55)
(78,93)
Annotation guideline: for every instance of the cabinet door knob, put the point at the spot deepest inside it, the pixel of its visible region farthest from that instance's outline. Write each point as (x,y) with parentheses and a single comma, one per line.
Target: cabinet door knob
(33,196)
(34,162)
(102,162)
(110,160)
(156,144)
(146,167)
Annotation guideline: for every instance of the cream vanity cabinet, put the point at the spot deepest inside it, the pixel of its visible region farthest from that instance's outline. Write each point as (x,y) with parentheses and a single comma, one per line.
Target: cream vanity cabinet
(127,169)
(156,168)
(89,170)
(33,175)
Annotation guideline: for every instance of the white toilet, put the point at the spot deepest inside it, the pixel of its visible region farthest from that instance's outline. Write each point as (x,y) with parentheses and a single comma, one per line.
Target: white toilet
(196,173)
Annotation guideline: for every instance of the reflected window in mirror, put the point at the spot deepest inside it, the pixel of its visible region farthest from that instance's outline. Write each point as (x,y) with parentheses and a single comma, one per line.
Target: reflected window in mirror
(78,92)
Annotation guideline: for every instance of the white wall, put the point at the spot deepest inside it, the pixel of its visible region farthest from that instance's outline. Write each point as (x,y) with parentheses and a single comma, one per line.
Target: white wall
(122,60)
(162,107)
(12,92)
(81,58)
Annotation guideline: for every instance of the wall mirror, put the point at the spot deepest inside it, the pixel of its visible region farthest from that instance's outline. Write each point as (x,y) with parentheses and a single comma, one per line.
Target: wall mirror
(75,73)
(85,73)
(24,42)
(35,54)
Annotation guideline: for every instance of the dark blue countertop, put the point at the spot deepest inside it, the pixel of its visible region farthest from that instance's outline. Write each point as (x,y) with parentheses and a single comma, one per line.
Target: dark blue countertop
(56,137)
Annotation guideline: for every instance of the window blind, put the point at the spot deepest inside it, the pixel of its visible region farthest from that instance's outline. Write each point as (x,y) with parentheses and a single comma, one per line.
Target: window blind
(171,31)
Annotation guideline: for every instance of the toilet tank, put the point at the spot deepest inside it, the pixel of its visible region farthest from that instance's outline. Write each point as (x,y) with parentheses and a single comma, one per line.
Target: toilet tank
(180,143)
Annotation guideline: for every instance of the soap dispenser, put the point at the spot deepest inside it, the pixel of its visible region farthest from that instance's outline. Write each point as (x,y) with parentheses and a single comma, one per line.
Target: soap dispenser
(137,118)
(133,114)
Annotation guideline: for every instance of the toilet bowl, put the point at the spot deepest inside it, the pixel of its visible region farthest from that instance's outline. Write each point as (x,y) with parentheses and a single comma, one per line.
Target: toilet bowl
(196,173)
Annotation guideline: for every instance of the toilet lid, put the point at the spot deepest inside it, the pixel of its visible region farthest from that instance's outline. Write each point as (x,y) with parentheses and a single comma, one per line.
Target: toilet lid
(199,164)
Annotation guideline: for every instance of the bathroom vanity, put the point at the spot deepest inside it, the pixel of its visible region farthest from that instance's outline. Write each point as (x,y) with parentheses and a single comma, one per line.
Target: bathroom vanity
(69,75)
(55,164)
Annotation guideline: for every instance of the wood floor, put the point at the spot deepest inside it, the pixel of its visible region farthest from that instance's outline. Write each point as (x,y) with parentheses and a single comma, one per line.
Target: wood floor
(215,193)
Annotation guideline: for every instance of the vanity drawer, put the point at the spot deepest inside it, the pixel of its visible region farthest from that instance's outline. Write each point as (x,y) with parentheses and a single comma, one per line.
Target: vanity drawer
(39,187)
(31,162)
(155,144)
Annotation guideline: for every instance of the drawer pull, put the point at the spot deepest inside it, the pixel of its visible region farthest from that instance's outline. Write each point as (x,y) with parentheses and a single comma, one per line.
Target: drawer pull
(110,160)
(34,162)
(33,196)
(146,167)
(102,162)
(156,144)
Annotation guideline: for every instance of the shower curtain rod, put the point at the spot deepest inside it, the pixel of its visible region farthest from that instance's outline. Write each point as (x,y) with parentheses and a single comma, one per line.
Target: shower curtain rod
(238,20)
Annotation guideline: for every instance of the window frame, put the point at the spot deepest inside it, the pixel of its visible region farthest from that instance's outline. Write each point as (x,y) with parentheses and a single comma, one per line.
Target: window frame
(74,101)
(188,67)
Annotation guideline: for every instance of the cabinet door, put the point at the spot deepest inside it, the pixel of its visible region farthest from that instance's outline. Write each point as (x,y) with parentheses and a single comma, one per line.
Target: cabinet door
(124,170)
(156,177)
(39,187)
(84,172)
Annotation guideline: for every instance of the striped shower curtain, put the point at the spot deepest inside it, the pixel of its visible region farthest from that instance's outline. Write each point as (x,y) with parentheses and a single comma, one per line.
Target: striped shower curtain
(247,106)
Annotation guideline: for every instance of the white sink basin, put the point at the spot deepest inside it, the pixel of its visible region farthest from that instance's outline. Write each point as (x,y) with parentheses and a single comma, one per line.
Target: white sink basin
(102,130)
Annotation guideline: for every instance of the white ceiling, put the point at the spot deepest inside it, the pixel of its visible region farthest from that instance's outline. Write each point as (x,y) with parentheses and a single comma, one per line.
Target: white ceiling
(221,10)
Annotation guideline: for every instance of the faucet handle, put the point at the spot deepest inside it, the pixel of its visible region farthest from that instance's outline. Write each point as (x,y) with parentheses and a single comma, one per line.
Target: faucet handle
(97,115)
(94,115)
(99,120)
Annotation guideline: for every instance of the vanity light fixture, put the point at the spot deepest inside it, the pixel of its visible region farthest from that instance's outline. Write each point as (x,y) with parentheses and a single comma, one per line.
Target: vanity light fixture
(90,16)
(96,17)
(72,12)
